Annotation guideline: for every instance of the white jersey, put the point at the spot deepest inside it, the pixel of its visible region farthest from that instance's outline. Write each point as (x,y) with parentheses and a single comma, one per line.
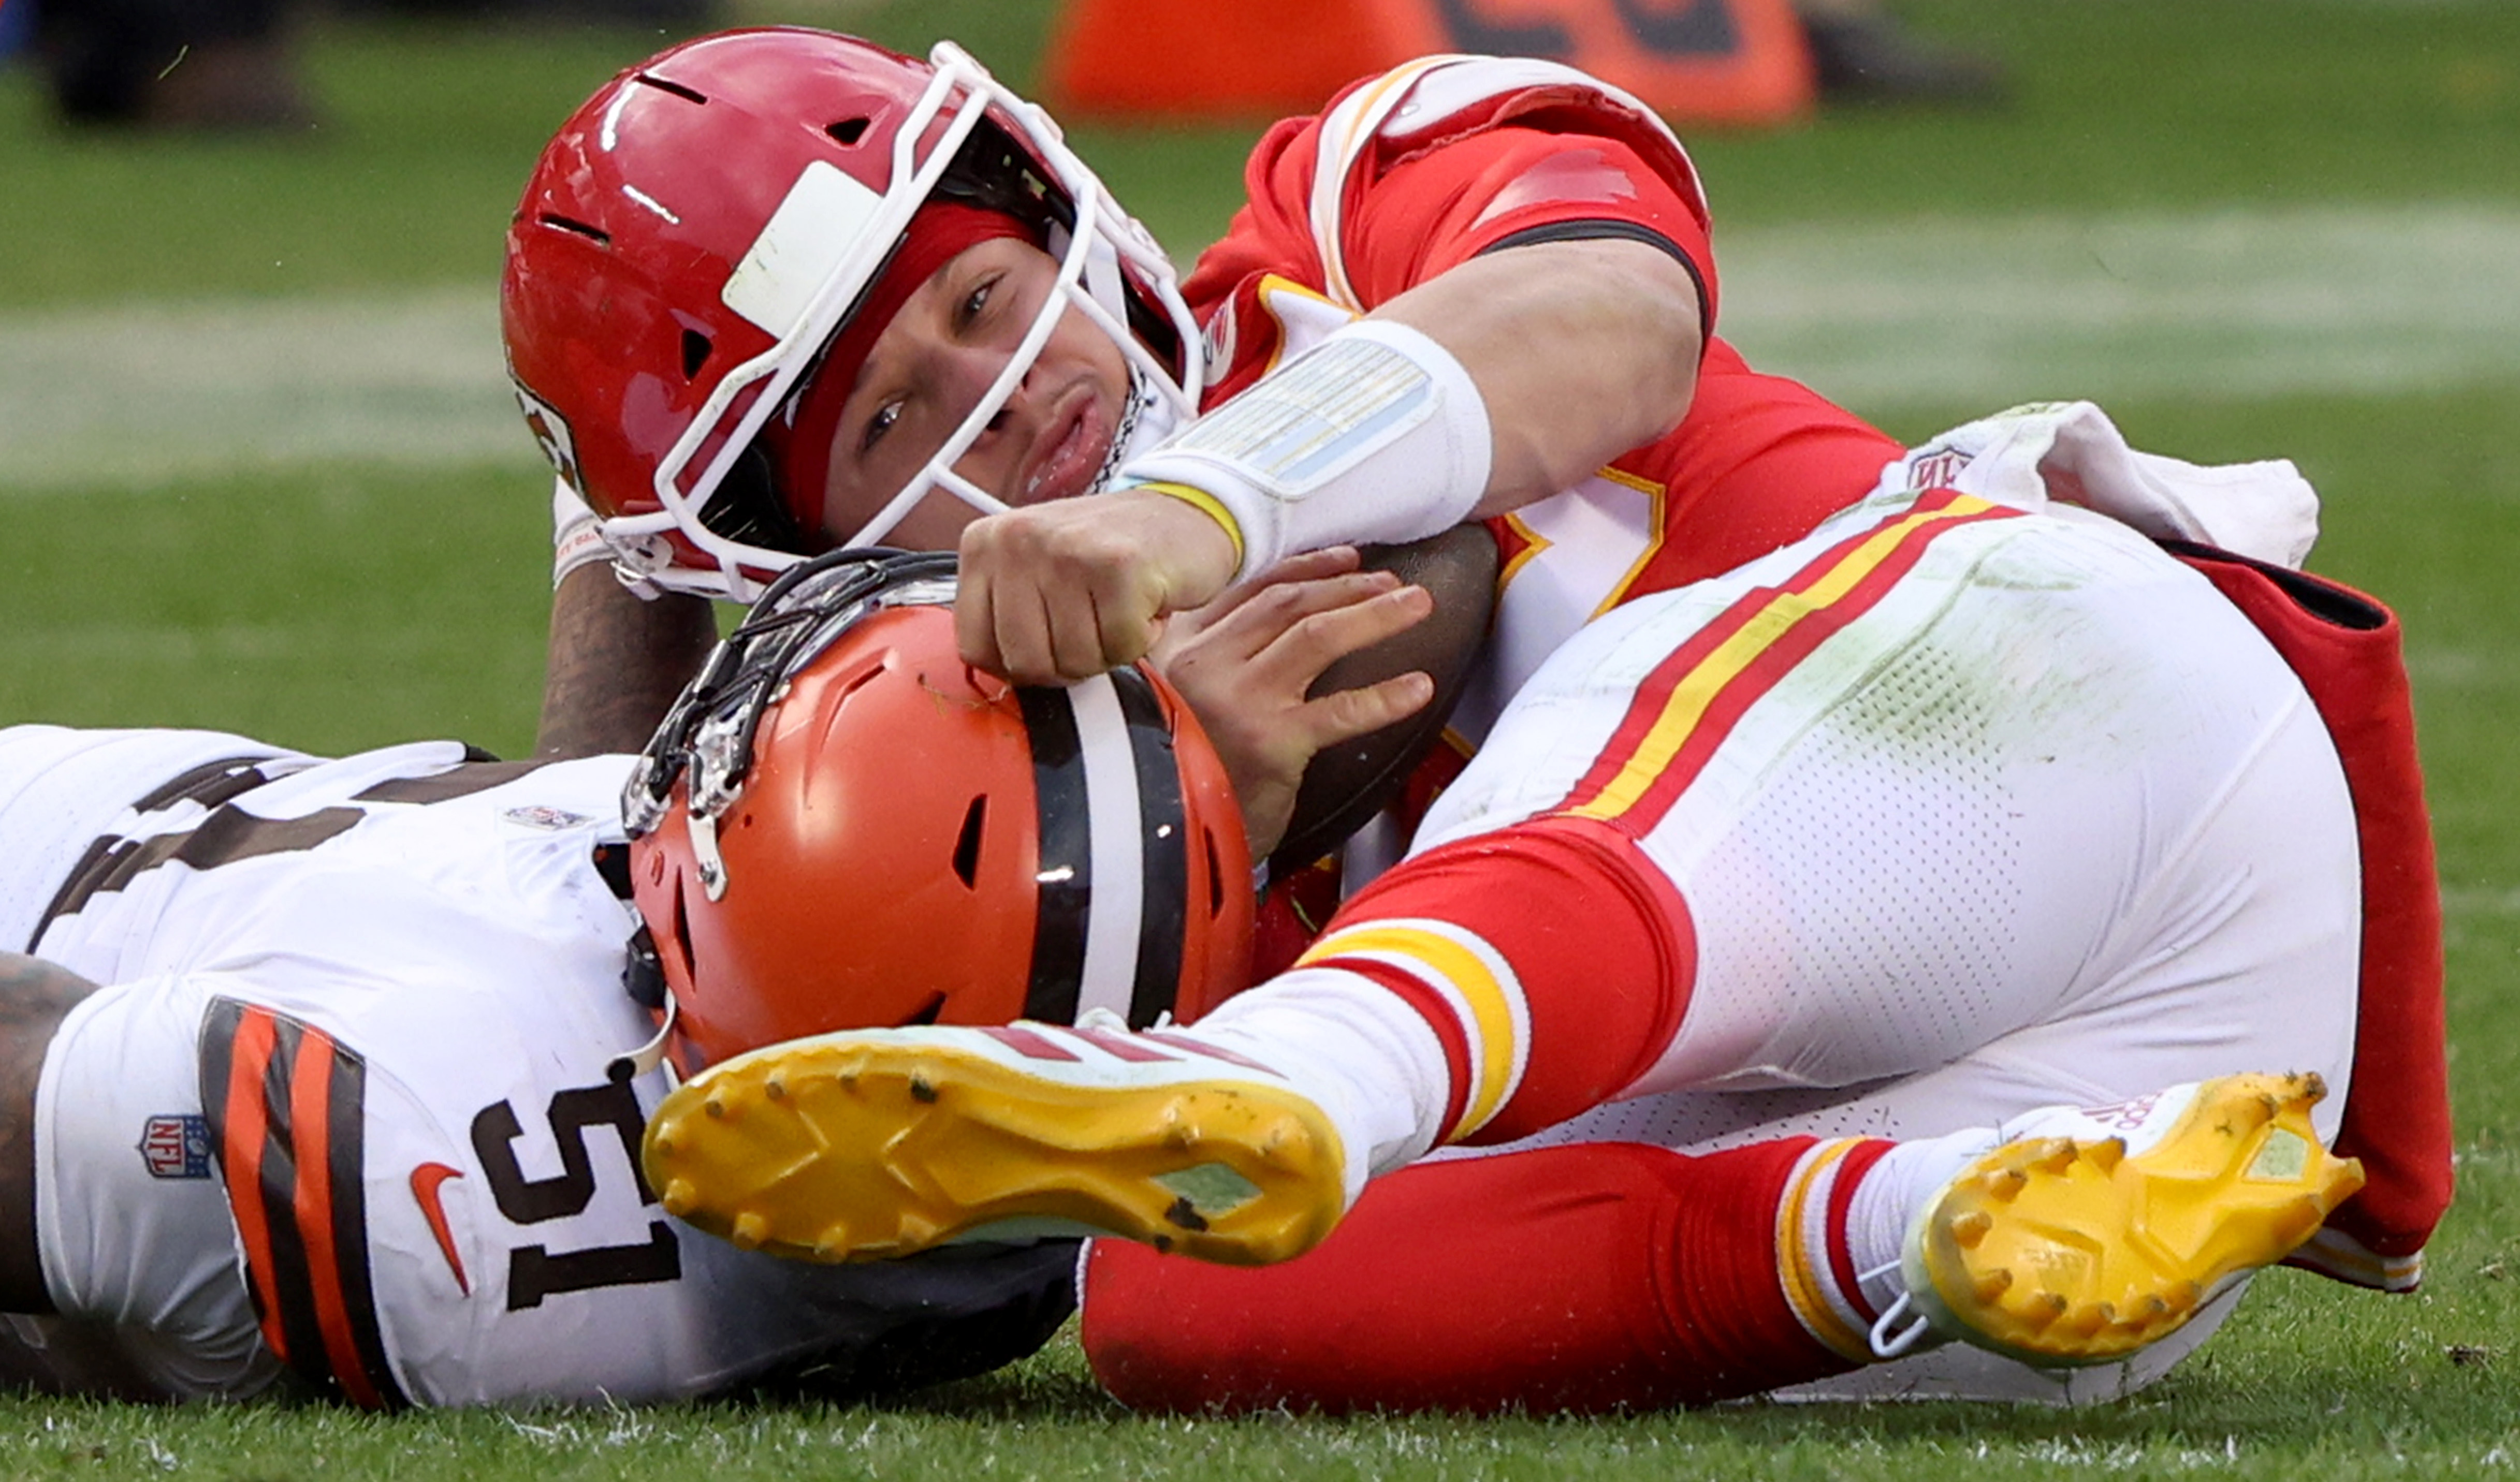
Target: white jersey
(344,1103)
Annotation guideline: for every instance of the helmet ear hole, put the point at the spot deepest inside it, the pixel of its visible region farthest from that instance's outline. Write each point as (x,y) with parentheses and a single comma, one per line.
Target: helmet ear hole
(967,847)
(696,353)
(848,131)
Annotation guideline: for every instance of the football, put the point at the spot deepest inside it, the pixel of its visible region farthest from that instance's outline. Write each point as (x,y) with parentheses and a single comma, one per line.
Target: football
(1346,785)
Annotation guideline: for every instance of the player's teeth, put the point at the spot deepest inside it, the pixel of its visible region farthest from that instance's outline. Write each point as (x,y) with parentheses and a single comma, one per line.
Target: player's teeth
(1972,1228)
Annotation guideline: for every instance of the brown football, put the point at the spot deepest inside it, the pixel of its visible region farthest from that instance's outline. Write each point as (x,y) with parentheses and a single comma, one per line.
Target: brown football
(1348,783)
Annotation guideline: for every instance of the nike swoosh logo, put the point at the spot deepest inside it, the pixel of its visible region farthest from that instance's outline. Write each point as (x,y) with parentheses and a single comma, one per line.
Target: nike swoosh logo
(424,1180)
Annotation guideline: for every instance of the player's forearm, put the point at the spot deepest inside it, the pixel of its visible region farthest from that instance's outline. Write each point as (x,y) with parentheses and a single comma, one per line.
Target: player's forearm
(615,663)
(34,996)
(1581,350)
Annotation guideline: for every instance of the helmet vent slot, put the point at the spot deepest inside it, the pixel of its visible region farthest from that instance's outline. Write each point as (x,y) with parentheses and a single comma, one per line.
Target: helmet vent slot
(967,847)
(678,942)
(595,234)
(687,95)
(848,131)
(1215,875)
(696,353)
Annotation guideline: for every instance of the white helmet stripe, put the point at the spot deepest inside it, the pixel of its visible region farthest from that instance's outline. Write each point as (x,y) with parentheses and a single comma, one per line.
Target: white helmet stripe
(1111,973)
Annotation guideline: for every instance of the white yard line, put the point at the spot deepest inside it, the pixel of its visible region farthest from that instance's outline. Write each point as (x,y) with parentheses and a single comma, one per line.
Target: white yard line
(1973,313)
(2225,304)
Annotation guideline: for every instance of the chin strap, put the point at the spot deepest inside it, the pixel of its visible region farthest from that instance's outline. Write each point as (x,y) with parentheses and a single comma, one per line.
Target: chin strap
(632,1065)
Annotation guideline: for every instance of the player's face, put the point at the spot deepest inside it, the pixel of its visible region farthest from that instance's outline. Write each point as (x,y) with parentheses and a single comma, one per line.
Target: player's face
(930,367)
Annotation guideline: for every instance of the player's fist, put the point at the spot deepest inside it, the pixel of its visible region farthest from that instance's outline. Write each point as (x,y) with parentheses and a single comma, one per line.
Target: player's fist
(1057,592)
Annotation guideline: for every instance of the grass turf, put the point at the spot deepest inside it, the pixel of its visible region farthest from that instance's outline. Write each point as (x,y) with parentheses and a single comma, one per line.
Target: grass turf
(352,604)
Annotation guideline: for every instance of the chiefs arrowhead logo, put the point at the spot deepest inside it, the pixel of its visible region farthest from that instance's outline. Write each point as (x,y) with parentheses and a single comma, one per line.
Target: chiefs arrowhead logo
(551,430)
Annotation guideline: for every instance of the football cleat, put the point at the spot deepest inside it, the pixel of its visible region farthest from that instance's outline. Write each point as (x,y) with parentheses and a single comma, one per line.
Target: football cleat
(864,1145)
(2087,1235)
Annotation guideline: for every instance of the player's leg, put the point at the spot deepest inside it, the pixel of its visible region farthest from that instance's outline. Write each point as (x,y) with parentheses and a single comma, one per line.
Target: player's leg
(1589,1276)
(1927,780)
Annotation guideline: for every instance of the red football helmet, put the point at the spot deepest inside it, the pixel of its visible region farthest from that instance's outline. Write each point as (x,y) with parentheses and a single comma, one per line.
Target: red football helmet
(696,236)
(841,825)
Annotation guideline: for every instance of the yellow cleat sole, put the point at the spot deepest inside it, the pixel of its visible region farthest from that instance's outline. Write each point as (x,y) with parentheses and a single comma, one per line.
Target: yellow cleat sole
(2059,1251)
(865,1150)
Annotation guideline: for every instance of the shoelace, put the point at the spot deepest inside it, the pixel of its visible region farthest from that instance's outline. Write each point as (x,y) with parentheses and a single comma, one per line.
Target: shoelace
(1885,1343)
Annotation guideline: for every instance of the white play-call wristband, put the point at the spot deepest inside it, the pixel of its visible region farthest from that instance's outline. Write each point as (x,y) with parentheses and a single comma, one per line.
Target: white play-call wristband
(577,534)
(1376,434)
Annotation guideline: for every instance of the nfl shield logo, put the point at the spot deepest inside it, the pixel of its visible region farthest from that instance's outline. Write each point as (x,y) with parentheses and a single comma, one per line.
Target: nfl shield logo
(176,1147)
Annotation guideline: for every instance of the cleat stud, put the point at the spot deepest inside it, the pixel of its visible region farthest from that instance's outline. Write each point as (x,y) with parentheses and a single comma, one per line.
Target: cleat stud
(2105,1156)
(775,1088)
(681,1198)
(1970,1229)
(2086,1322)
(661,1141)
(2056,1157)
(2184,1295)
(2299,1220)
(2043,1308)
(714,1107)
(2154,1305)
(748,1232)
(1993,1285)
(2003,1184)
(922,1088)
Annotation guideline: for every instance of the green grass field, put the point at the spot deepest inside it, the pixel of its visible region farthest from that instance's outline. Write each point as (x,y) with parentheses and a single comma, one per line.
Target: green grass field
(258,473)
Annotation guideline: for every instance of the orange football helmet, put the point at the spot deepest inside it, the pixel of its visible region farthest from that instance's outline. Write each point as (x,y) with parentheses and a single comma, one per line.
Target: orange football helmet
(841,825)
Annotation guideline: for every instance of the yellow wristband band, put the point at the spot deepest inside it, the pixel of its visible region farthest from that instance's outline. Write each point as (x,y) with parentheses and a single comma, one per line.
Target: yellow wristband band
(1214,507)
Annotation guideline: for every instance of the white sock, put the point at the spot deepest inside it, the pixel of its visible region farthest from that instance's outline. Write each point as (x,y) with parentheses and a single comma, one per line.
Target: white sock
(1359,1051)
(1894,1192)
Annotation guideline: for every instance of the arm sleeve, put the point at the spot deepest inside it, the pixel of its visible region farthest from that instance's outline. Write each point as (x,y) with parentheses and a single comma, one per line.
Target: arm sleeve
(287,1111)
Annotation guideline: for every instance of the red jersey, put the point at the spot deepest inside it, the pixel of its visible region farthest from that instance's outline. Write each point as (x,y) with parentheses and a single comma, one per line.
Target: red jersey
(1424,167)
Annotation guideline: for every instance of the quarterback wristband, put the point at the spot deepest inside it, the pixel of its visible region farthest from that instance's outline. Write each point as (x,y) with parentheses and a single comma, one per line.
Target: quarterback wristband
(1376,434)
(577,533)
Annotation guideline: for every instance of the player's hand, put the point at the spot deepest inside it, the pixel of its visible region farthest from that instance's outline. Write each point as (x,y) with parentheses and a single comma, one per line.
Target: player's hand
(1059,592)
(1244,662)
